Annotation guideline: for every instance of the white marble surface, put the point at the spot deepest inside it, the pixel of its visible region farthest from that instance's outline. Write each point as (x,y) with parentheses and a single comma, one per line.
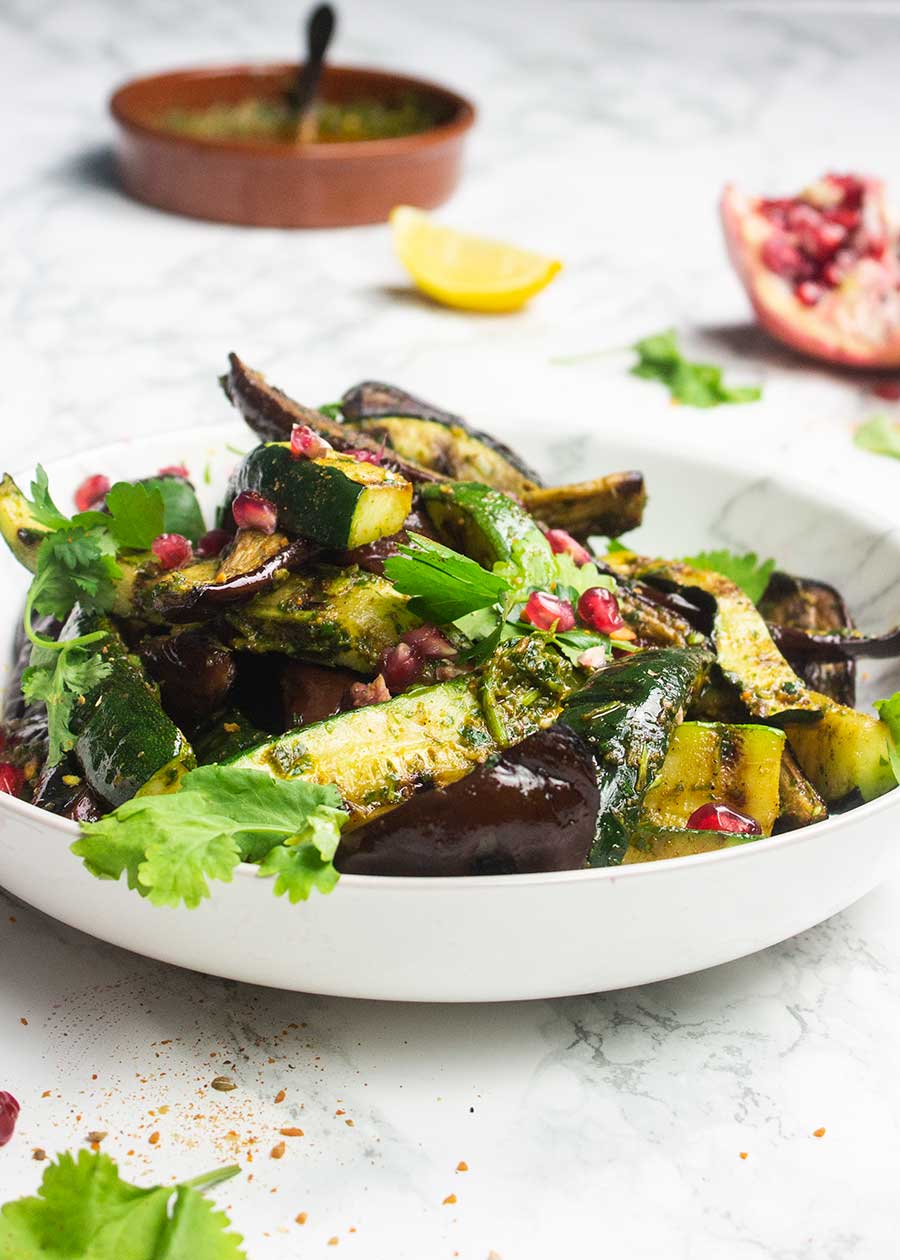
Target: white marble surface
(610,1125)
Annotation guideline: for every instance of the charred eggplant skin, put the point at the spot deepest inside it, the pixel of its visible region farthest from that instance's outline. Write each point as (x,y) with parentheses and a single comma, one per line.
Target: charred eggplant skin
(610,505)
(531,808)
(797,603)
(626,714)
(193,671)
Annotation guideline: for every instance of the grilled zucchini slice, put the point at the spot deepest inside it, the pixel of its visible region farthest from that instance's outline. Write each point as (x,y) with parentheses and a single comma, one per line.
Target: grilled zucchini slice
(486,525)
(651,844)
(845,752)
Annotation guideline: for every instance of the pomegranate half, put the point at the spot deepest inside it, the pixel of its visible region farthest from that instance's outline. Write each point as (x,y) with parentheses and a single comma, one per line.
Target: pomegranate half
(822,268)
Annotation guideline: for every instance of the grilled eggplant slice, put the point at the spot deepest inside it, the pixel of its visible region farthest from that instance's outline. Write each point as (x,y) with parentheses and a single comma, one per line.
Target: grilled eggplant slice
(801,804)
(846,751)
(60,789)
(610,505)
(380,755)
(271,414)
(193,671)
(804,604)
(626,714)
(343,617)
(225,736)
(738,766)
(336,500)
(531,808)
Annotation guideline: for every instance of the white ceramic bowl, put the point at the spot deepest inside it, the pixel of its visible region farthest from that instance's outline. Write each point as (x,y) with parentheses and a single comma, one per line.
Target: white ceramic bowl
(523,936)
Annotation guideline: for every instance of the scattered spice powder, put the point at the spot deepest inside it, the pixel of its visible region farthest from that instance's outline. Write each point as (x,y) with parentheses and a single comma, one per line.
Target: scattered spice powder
(291,1132)
(46,1093)
(23,1021)
(349,1123)
(277,1150)
(333,1242)
(280,1096)
(451,1198)
(743,1154)
(96,1135)
(301,1218)
(462,1166)
(38,1152)
(223,1083)
(153,1138)
(818,1132)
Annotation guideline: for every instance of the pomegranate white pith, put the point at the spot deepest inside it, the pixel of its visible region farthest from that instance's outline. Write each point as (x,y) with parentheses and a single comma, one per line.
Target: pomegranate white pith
(822,268)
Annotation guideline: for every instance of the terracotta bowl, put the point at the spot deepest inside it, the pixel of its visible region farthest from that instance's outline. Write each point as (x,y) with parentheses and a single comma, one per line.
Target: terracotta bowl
(282,185)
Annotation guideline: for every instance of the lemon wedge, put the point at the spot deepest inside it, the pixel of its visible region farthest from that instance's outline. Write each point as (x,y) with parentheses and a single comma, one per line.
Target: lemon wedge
(467,271)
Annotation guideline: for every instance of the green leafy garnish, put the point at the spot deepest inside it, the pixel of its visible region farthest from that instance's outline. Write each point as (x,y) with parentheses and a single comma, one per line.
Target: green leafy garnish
(171,845)
(331,411)
(889,712)
(443,584)
(880,435)
(746,571)
(85,1211)
(694,384)
(181,511)
(59,679)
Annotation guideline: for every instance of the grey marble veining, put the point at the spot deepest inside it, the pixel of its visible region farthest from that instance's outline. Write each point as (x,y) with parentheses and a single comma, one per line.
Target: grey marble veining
(609,1125)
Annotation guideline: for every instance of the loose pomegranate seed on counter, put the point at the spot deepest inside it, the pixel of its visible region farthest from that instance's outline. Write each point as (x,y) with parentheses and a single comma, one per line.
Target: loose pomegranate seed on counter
(594,658)
(375,692)
(888,390)
(561,541)
(92,492)
(251,511)
(429,643)
(172,550)
(716,817)
(599,609)
(213,542)
(547,612)
(175,470)
(12,779)
(9,1114)
(306,443)
(400,666)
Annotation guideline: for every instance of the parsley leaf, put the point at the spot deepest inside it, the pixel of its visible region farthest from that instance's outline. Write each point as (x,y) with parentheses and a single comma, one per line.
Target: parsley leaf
(880,435)
(748,572)
(84,1208)
(443,584)
(694,384)
(889,712)
(60,679)
(170,846)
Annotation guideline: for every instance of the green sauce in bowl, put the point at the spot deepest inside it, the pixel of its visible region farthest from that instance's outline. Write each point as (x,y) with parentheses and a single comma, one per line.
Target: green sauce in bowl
(272,120)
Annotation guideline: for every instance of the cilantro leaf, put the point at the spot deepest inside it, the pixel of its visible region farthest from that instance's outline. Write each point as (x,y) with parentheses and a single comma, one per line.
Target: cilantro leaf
(746,571)
(181,511)
(42,507)
(443,584)
(889,712)
(60,679)
(880,435)
(74,566)
(694,384)
(170,846)
(136,514)
(84,1208)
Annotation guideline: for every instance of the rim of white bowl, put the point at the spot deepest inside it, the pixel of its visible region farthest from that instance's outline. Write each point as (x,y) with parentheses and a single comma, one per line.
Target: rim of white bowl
(664,867)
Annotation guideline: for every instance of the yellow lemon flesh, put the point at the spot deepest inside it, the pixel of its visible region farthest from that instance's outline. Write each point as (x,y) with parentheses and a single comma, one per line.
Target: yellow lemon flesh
(467,271)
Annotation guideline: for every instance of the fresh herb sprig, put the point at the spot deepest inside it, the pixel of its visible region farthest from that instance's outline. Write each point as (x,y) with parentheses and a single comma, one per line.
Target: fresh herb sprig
(77,564)
(171,845)
(880,435)
(693,384)
(746,571)
(84,1208)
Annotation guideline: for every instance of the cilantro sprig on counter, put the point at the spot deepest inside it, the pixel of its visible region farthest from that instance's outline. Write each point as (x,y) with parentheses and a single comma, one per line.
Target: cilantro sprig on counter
(880,435)
(170,846)
(693,384)
(77,564)
(85,1208)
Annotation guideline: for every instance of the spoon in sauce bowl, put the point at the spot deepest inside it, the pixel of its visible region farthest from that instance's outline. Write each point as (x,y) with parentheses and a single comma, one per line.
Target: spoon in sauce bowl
(319,31)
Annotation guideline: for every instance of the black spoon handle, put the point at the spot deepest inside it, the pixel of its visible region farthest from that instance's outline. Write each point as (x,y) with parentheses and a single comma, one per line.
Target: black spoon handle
(319,31)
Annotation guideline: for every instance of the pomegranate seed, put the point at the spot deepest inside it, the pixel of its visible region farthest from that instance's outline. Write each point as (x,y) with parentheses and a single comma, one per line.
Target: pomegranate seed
(599,609)
(400,666)
(561,542)
(9,1114)
(12,779)
(594,658)
(809,293)
(213,542)
(175,470)
(91,492)
(251,511)
(775,209)
(306,443)
(848,219)
(365,457)
(171,550)
(716,817)
(375,692)
(429,643)
(823,240)
(780,256)
(888,390)
(547,612)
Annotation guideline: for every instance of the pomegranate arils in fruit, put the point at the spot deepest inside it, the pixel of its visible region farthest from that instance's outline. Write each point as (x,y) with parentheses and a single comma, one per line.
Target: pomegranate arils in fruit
(9,1114)
(561,542)
(547,612)
(306,443)
(430,643)
(172,550)
(716,817)
(175,470)
(375,692)
(782,257)
(213,542)
(91,492)
(400,666)
(809,293)
(12,778)
(251,511)
(599,609)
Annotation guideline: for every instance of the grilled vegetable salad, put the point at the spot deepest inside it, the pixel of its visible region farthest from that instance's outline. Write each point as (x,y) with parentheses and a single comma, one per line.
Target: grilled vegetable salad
(396,651)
